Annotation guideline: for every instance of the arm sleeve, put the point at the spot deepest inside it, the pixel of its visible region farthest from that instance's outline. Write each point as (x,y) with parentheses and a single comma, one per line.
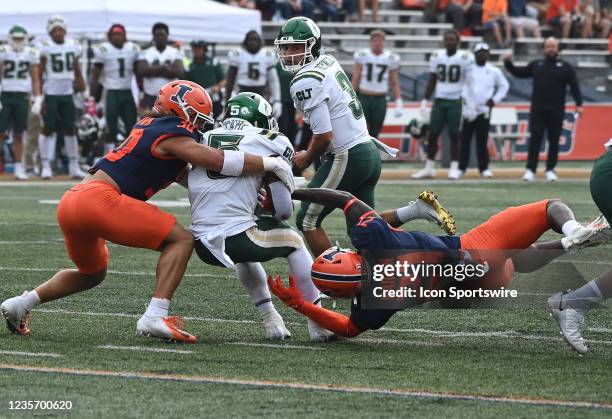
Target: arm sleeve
(330,320)
(520,72)
(319,119)
(502,87)
(281,199)
(274,83)
(574,85)
(98,57)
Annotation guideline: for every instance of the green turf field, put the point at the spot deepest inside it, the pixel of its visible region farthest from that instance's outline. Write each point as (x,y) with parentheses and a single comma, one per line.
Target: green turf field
(425,363)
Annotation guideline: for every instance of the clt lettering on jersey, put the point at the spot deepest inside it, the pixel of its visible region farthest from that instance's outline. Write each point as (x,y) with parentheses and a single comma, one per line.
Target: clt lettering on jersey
(16,68)
(138,170)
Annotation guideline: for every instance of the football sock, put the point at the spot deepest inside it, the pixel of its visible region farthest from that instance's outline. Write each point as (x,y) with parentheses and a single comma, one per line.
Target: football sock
(408,213)
(300,264)
(44,148)
(30,300)
(252,276)
(569,227)
(158,307)
(429,164)
(72,147)
(585,297)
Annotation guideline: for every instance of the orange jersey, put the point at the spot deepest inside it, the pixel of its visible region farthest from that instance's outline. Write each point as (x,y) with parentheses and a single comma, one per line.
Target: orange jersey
(491,9)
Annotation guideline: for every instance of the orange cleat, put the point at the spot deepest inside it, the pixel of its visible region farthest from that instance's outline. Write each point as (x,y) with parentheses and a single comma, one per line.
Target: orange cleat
(169,328)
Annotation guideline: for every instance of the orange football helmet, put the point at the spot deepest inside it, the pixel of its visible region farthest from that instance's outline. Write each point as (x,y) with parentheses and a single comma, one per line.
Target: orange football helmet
(338,272)
(187,100)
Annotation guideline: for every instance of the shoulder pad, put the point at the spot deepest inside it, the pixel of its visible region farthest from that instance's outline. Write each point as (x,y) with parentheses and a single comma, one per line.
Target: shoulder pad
(307,78)
(103,49)
(435,54)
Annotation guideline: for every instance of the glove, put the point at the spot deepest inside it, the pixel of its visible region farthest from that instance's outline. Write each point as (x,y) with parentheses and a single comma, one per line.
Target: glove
(399,108)
(277,109)
(290,296)
(470,112)
(37,105)
(279,166)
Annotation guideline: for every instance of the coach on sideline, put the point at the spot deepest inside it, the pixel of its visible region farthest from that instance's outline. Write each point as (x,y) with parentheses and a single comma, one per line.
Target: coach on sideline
(551,76)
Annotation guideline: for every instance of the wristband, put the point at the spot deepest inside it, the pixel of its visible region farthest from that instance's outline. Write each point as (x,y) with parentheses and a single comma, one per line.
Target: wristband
(233,163)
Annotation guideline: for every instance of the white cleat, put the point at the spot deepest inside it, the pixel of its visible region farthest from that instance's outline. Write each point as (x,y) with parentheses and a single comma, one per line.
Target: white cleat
(487,173)
(599,222)
(20,173)
(18,319)
(75,171)
(426,173)
(570,322)
(169,328)
(455,174)
(318,334)
(528,176)
(46,172)
(551,176)
(275,326)
(583,237)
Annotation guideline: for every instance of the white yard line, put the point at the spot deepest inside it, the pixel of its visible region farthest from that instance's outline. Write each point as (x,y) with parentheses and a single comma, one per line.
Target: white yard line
(37,354)
(309,387)
(8,268)
(144,349)
(273,345)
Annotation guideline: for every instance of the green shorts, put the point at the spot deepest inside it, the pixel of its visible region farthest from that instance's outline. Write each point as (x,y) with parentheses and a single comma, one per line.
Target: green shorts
(374,109)
(14,114)
(119,104)
(356,171)
(446,112)
(270,239)
(601,184)
(59,113)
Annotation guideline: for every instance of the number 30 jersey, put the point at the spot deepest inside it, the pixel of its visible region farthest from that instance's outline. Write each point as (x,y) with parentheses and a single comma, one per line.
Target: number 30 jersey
(222,204)
(16,68)
(60,62)
(375,69)
(252,68)
(323,83)
(452,72)
(118,64)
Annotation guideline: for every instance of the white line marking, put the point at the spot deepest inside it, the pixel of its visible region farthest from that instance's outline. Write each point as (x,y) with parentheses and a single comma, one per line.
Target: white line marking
(599,329)
(7,268)
(309,387)
(144,349)
(52,241)
(395,342)
(40,354)
(272,345)
(158,203)
(18,223)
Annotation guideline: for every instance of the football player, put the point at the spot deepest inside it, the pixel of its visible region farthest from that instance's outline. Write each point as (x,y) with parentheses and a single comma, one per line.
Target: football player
(110,204)
(19,65)
(570,309)
(507,232)
(449,70)
(60,67)
(116,60)
(322,92)
(375,69)
(253,68)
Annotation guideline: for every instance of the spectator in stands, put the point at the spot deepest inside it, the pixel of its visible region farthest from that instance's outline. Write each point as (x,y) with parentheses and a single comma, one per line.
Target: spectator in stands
(537,9)
(551,78)
(267,8)
(332,9)
(361,4)
(495,18)
(158,64)
(292,8)
(245,4)
(567,14)
(602,21)
(463,14)
(208,72)
(521,21)
(487,88)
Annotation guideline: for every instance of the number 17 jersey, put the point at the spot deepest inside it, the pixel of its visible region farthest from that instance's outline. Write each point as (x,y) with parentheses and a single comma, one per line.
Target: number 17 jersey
(452,72)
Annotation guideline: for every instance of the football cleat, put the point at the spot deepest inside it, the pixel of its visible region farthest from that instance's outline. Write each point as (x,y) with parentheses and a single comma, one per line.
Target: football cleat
(551,176)
(528,176)
(318,334)
(426,173)
(20,173)
(433,211)
(599,222)
(46,172)
(570,321)
(18,319)
(487,173)
(275,326)
(583,237)
(169,328)
(75,171)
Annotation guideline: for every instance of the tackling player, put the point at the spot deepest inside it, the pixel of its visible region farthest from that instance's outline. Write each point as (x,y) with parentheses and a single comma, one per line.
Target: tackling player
(60,67)
(110,205)
(19,66)
(509,231)
(254,69)
(322,92)
(449,70)
(116,60)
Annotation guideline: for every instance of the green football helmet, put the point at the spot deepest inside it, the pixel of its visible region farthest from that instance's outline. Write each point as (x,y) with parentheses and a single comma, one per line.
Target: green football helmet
(18,37)
(418,128)
(298,30)
(253,108)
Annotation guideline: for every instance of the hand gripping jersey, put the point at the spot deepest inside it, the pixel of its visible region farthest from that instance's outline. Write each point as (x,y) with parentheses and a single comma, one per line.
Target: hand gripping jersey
(118,64)
(452,72)
(153,56)
(60,64)
(136,167)
(16,68)
(252,68)
(324,83)
(375,69)
(226,205)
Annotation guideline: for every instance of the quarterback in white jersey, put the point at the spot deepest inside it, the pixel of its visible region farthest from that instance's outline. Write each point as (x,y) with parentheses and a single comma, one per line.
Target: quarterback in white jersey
(375,69)
(224,224)
(253,68)
(449,70)
(158,64)
(60,63)
(115,60)
(19,68)
(323,93)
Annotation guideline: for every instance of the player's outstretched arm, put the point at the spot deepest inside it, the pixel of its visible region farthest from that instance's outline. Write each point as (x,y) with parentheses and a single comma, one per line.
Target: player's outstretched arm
(330,320)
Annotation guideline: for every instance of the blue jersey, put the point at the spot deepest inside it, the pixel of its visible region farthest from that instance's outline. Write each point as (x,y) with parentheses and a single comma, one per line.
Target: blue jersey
(135,166)
(373,233)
